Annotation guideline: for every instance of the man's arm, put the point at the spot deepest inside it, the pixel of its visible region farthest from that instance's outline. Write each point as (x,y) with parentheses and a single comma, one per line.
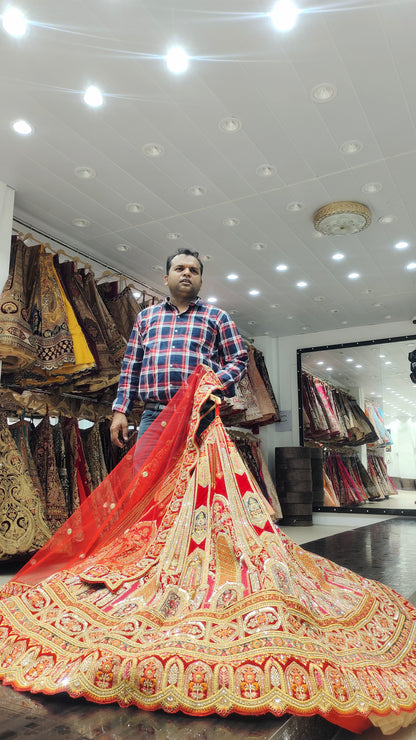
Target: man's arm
(127,386)
(233,354)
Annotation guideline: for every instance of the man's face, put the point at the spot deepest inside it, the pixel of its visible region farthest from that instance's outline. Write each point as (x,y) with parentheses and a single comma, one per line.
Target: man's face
(184,279)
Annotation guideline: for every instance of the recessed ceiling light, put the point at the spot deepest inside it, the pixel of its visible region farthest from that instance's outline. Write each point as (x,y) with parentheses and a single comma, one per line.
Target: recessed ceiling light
(153,150)
(351,147)
(197,190)
(230,125)
(338,256)
(320,362)
(22,127)
(206,257)
(411,266)
(349,359)
(85,173)
(377,305)
(266,170)
(231,221)
(319,298)
(372,187)
(274,305)
(328,369)
(173,235)
(122,247)
(82,223)
(251,323)
(232,276)
(177,60)
(284,15)
(388,219)
(382,355)
(258,246)
(388,362)
(212,299)
(158,268)
(14,22)
(323,93)
(334,310)
(134,207)
(281,268)
(254,292)
(93,96)
(354,275)
(301,284)
(401,245)
(358,366)
(294,206)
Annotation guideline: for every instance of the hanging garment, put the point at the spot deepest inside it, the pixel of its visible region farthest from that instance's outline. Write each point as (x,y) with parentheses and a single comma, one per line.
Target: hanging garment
(41,444)
(17,349)
(94,454)
(21,432)
(262,368)
(267,409)
(123,307)
(78,474)
(23,528)
(115,342)
(62,463)
(106,372)
(172,588)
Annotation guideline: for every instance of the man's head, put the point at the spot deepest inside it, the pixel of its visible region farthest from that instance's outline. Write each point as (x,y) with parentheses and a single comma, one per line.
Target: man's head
(184,276)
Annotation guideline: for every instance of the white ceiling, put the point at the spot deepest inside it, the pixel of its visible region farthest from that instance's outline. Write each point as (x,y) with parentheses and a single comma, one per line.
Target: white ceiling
(240,66)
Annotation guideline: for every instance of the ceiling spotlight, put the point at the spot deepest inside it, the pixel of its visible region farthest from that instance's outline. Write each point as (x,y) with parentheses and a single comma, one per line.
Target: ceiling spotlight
(354,275)
(401,245)
(258,246)
(342,217)
(411,266)
(323,93)
(122,247)
(177,60)
(93,97)
(284,15)
(254,292)
(231,221)
(14,22)
(388,219)
(338,256)
(294,206)
(82,223)
(173,235)
(351,147)
(84,173)
(251,323)
(134,207)
(232,276)
(281,268)
(212,299)
(230,125)
(197,190)
(153,150)
(22,127)
(266,170)
(372,187)
(301,284)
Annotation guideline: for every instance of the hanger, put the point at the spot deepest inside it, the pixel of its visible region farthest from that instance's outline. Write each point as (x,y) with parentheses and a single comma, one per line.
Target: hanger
(112,273)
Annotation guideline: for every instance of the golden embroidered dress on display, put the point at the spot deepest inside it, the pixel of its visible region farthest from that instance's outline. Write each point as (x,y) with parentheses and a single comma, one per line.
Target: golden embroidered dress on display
(172,588)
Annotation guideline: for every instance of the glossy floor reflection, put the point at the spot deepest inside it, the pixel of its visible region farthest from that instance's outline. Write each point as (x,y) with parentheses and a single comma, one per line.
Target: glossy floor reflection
(384,550)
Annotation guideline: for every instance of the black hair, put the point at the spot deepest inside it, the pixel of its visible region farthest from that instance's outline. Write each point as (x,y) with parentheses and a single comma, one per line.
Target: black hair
(188,252)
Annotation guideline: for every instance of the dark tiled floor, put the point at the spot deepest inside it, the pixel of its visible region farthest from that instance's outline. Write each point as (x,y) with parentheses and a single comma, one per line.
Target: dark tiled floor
(385,551)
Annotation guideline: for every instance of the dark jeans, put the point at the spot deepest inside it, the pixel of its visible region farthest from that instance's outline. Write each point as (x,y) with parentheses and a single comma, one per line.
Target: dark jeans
(149,415)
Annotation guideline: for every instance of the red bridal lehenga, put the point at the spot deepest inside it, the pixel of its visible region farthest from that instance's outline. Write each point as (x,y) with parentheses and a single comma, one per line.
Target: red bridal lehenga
(171,588)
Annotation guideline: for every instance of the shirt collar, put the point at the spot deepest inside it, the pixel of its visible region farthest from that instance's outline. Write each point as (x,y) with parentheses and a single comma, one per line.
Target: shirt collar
(169,303)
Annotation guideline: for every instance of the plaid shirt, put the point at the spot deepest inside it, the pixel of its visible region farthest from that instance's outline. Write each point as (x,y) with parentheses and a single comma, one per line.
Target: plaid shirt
(166,346)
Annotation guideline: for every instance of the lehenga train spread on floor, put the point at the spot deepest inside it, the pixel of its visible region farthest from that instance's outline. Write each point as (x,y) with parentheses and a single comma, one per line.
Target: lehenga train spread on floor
(171,587)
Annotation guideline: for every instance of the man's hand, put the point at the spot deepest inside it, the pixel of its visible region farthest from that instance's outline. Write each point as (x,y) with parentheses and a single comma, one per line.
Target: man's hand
(119,429)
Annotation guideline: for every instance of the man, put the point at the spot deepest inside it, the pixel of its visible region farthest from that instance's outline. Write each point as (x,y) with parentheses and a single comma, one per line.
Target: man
(170,340)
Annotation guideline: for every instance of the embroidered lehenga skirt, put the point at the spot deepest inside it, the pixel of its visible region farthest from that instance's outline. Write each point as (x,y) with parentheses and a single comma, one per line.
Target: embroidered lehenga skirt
(171,587)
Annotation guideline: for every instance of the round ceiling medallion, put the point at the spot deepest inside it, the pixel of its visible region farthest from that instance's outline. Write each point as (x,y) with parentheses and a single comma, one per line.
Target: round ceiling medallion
(343,217)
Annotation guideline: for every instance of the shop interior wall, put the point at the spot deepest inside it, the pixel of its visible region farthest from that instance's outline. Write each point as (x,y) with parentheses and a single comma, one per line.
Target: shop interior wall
(280,357)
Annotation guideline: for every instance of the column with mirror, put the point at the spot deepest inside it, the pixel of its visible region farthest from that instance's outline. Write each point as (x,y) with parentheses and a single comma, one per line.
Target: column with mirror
(370,450)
